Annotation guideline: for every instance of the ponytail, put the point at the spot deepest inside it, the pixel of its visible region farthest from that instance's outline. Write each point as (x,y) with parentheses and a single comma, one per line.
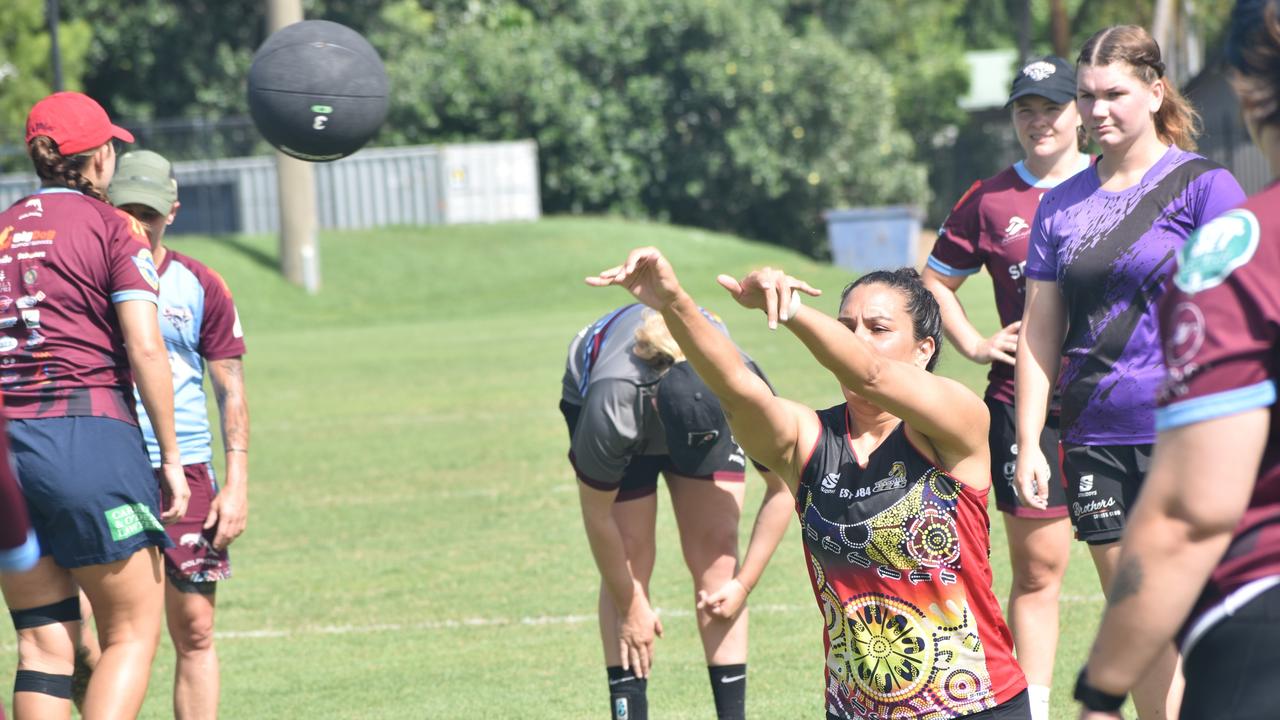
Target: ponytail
(57,170)
(1177,122)
(1253,50)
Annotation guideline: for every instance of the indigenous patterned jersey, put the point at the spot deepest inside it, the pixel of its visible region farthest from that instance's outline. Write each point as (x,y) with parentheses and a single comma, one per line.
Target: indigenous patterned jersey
(899,559)
(1221,324)
(199,322)
(1111,254)
(615,390)
(990,226)
(65,260)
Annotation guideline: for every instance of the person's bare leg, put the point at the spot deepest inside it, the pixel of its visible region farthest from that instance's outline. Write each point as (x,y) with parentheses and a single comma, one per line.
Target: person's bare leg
(196,680)
(1038,554)
(707,515)
(128,600)
(1158,695)
(87,653)
(48,648)
(636,521)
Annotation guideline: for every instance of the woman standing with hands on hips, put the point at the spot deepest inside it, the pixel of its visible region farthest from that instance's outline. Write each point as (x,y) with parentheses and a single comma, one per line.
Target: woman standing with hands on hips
(990,227)
(78,327)
(890,487)
(1102,251)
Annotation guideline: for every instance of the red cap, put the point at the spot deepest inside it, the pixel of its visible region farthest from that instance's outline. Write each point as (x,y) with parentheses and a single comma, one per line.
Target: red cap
(74,121)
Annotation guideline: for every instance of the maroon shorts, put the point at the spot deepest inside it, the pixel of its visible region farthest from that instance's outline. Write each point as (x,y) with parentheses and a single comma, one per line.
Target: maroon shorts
(193,558)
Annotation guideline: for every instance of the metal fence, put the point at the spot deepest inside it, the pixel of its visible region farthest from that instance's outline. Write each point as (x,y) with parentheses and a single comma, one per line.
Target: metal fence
(378,187)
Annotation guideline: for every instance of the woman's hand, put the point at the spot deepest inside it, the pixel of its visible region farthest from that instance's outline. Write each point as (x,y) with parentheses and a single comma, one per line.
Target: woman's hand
(646,274)
(1031,476)
(725,602)
(636,634)
(1000,347)
(767,289)
(175,491)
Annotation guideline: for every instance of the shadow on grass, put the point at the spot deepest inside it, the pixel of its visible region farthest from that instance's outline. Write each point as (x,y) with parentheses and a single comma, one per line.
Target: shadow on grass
(257,255)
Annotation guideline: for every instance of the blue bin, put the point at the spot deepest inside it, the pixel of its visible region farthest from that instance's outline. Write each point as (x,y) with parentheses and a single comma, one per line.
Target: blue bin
(874,238)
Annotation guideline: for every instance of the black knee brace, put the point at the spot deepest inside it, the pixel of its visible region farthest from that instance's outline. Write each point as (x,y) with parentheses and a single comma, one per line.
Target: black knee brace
(58,686)
(64,611)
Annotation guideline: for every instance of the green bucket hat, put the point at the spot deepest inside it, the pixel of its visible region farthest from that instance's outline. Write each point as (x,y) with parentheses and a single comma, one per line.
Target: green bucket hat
(144,178)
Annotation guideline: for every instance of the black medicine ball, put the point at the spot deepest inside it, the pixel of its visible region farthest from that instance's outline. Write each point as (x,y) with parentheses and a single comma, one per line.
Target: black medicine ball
(317,90)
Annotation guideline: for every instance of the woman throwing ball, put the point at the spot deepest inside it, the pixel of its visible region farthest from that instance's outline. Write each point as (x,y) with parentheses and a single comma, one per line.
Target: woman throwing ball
(891,488)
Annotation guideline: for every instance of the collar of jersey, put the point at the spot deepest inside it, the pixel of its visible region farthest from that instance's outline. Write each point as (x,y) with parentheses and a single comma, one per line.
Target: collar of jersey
(52,190)
(1020,167)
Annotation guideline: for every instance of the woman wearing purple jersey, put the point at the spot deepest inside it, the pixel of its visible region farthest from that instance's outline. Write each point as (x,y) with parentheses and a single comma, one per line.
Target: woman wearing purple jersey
(989,227)
(1202,557)
(77,326)
(1102,249)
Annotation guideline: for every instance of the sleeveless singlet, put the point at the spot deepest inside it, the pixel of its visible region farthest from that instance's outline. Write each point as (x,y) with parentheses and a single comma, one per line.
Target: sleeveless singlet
(898,556)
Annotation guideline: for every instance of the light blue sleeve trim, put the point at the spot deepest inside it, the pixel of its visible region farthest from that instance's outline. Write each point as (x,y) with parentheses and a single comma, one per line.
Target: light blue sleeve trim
(123,295)
(946,269)
(22,557)
(1222,404)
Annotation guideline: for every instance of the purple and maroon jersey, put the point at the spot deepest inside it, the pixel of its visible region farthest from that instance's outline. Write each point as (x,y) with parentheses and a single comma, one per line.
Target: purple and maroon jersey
(1111,254)
(990,227)
(899,558)
(1221,324)
(66,259)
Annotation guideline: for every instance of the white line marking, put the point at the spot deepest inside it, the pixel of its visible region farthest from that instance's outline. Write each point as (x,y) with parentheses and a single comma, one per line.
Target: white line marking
(478,622)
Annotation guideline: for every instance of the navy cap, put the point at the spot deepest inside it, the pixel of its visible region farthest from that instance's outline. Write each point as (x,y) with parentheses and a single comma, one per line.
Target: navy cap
(1049,77)
(698,437)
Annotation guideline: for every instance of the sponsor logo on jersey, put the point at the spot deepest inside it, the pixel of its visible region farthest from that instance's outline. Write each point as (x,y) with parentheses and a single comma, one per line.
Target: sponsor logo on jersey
(6,237)
(35,209)
(1015,229)
(8,344)
(179,317)
(136,228)
(1216,249)
(829,482)
(896,480)
(147,268)
(1187,337)
(31,237)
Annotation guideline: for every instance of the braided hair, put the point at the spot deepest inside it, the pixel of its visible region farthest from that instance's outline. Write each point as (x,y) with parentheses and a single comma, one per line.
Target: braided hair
(58,170)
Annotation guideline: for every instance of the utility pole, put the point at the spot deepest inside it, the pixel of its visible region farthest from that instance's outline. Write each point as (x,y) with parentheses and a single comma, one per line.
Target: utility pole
(296,183)
(55,53)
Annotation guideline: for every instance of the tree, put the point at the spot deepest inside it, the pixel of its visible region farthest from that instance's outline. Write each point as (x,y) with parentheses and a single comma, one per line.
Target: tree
(26,71)
(703,113)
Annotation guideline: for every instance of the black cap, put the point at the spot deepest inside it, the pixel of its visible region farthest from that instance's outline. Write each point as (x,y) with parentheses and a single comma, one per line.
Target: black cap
(698,437)
(1050,77)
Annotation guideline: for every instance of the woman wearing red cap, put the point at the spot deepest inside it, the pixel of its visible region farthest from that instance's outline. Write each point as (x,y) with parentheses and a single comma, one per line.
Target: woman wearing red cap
(77,327)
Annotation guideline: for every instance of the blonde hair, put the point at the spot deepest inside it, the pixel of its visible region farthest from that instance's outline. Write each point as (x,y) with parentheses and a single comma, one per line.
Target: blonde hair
(654,343)
(1177,122)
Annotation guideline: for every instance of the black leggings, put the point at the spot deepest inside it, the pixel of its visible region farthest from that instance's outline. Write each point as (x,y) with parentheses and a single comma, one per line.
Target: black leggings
(1232,669)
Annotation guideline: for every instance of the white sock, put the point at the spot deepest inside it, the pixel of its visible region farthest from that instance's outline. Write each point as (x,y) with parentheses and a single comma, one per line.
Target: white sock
(1038,696)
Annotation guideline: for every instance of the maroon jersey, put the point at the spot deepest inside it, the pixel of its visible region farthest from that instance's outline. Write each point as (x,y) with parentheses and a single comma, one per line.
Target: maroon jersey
(990,227)
(1221,327)
(65,260)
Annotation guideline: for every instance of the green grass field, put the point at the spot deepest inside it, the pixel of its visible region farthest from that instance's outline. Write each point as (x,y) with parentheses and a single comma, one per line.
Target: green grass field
(414,547)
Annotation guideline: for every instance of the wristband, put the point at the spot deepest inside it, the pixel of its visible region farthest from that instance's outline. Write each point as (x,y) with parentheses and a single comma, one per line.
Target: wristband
(1094,699)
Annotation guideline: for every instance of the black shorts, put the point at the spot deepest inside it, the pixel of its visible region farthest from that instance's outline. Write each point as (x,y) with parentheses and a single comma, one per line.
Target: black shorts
(89,487)
(640,477)
(1102,484)
(1003,439)
(1231,670)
